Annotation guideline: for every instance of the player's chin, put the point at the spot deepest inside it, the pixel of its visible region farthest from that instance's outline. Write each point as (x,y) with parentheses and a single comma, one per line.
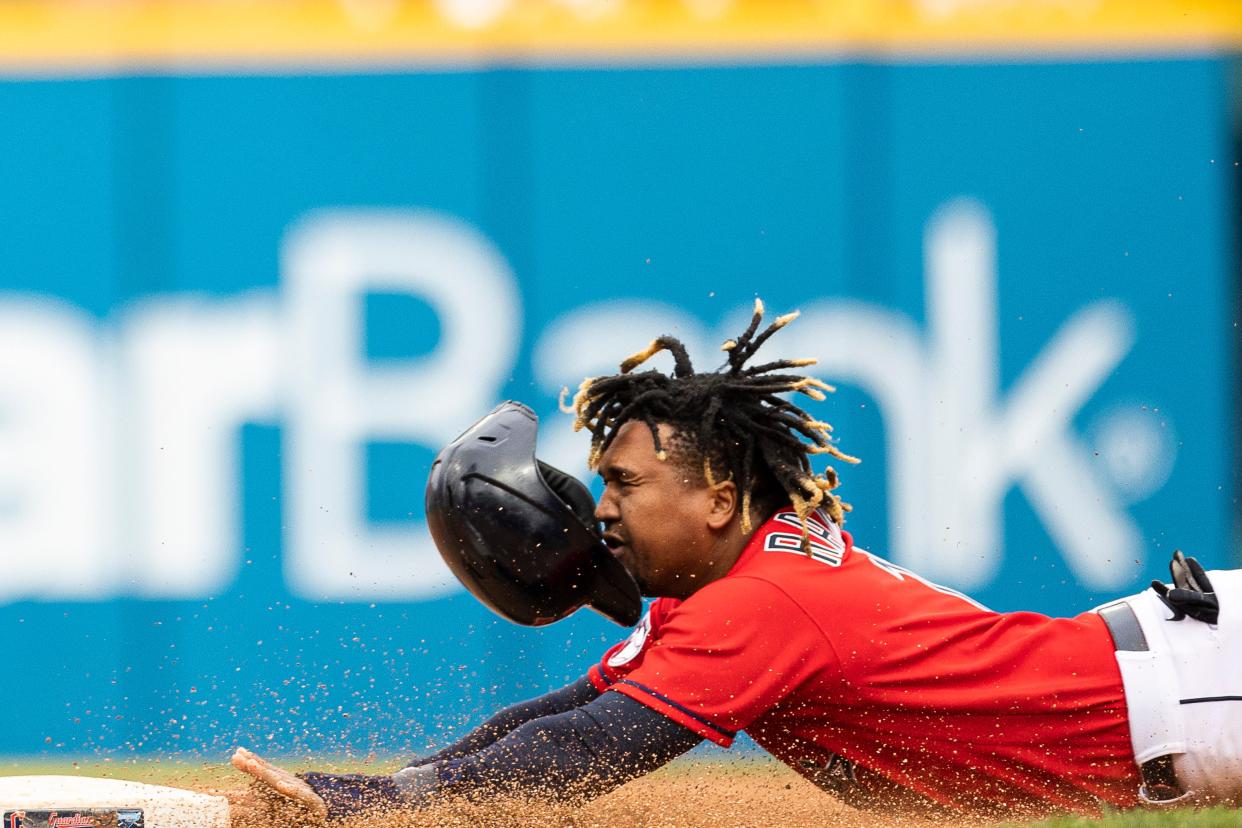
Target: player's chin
(627,561)
(626,557)
(647,585)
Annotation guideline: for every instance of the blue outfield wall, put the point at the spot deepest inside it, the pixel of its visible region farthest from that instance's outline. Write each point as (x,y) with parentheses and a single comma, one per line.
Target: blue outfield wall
(238,315)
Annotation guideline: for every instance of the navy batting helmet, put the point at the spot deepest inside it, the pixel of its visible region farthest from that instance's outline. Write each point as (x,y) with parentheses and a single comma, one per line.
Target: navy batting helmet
(520,534)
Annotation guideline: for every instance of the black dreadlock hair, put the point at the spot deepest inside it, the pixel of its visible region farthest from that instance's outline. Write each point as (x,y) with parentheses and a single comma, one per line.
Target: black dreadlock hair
(733,420)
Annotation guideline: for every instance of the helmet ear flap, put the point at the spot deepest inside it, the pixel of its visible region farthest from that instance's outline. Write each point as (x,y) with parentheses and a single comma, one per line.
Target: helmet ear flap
(571,490)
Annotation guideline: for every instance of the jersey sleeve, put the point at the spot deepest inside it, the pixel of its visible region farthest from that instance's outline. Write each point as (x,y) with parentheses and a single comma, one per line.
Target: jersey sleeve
(625,655)
(724,657)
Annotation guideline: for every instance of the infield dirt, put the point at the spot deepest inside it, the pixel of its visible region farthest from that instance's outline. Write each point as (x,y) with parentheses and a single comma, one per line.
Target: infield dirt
(690,796)
(686,794)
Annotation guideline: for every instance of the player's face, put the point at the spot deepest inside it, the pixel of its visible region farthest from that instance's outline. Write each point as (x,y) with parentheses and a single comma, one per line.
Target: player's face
(662,523)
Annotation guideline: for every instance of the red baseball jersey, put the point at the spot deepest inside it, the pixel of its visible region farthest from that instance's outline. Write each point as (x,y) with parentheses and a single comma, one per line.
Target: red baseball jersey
(869,680)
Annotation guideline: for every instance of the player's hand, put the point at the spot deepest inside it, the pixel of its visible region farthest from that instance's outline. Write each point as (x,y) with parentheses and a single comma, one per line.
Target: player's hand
(326,795)
(280,780)
(1191,594)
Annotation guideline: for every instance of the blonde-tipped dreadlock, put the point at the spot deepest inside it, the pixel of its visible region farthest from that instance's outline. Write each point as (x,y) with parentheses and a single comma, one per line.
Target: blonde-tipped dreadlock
(734,419)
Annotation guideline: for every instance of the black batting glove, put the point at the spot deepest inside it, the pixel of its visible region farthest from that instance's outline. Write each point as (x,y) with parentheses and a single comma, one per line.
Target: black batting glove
(1191,594)
(348,795)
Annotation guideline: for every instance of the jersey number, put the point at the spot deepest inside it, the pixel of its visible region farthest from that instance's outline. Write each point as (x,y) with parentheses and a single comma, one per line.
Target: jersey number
(824,547)
(900,573)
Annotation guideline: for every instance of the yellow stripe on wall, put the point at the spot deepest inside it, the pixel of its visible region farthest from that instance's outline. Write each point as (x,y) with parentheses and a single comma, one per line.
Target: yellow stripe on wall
(101,36)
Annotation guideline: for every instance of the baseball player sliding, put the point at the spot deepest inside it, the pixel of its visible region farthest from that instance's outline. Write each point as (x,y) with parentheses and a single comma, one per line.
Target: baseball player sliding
(880,687)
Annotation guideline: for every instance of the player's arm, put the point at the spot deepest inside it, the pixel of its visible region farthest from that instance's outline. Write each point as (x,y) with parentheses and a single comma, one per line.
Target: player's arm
(501,724)
(574,755)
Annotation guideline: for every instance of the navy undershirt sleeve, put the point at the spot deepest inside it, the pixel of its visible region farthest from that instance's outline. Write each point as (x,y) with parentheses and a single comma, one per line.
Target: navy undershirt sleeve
(558,701)
(574,755)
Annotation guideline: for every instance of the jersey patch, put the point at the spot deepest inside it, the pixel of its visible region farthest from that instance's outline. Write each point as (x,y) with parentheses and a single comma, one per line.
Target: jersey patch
(633,644)
(826,545)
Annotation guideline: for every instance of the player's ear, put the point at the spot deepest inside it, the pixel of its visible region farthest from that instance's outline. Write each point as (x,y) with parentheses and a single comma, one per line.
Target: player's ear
(723,505)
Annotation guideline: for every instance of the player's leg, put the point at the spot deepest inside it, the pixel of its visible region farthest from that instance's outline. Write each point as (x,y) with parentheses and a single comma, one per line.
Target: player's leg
(1184,690)
(1208,662)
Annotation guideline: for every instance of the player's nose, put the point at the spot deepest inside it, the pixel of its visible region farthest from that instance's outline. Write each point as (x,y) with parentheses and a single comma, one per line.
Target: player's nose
(606,511)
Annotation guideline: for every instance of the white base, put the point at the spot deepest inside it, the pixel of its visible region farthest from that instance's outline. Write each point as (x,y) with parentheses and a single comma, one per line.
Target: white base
(162,807)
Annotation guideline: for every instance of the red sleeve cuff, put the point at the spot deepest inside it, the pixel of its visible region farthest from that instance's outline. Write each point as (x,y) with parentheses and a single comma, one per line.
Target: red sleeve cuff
(597,678)
(684,717)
